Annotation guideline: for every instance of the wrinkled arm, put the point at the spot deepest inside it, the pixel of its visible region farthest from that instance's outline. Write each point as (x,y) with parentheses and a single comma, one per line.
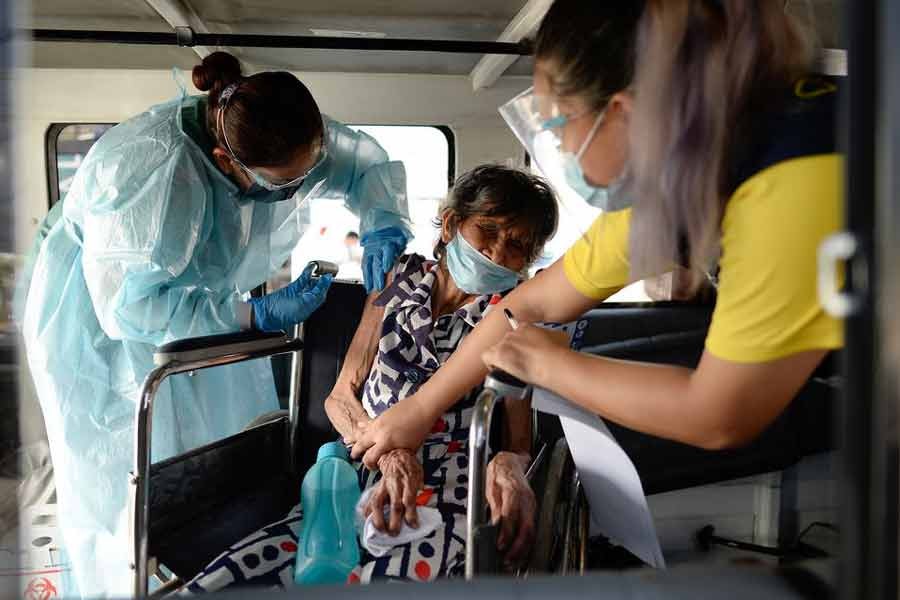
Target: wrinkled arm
(547,297)
(517,427)
(342,405)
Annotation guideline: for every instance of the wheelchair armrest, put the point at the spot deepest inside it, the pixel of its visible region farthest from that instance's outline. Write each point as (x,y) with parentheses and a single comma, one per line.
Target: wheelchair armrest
(212,347)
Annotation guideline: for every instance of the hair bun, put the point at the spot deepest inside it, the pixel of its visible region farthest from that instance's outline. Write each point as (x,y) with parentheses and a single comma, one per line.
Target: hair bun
(217,69)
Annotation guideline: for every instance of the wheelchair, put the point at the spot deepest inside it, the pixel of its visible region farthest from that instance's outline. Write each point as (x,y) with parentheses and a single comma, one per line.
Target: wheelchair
(187,509)
(666,333)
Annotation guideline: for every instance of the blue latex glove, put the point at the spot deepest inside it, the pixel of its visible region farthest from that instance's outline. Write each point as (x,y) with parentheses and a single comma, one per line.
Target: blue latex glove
(293,304)
(381,248)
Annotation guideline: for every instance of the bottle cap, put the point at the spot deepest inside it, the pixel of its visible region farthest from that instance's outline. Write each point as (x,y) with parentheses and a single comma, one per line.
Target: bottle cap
(335,449)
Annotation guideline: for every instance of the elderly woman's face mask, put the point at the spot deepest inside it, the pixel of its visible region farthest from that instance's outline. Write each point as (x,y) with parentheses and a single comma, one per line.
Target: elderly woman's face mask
(486,256)
(473,272)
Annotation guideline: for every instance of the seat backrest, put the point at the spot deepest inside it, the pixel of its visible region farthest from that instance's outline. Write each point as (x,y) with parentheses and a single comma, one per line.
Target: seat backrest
(672,333)
(659,332)
(326,338)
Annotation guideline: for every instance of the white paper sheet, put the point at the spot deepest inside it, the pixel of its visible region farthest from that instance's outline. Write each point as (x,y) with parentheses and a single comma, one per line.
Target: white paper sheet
(619,508)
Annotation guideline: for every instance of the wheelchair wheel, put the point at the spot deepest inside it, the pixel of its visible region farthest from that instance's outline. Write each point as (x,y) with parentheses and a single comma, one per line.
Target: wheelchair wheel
(550,521)
(266,418)
(576,532)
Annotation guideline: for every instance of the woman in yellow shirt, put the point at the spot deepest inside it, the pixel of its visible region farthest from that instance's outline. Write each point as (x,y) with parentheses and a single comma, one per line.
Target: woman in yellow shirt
(730,158)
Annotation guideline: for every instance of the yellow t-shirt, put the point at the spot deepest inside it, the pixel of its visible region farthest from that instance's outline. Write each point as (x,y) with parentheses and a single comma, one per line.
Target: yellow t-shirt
(767,306)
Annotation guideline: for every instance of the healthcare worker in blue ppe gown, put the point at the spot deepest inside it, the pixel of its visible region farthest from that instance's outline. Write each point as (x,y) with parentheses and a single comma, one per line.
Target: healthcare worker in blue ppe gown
(172,218)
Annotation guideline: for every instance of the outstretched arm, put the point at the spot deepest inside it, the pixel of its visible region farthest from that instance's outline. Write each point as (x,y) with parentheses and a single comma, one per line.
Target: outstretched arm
(547,297)
(720,404)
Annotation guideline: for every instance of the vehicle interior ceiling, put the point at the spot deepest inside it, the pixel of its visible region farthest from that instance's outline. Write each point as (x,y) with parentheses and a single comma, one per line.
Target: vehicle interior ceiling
(106,83)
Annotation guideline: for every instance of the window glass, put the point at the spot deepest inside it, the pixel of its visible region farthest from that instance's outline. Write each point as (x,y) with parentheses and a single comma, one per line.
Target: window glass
(72,145)
(425,151)
(575,218)
(333,234)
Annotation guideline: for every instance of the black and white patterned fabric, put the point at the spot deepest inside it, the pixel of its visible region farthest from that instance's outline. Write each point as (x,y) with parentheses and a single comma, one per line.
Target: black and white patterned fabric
(411,348)
(412,345)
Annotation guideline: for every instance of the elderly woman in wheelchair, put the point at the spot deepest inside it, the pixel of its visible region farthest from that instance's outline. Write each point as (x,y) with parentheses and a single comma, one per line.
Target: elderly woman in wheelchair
(493,225)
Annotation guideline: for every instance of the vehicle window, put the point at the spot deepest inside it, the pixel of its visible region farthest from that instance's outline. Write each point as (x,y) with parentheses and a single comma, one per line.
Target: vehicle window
(575,217)
(67,145)
(428,156)
(426,151)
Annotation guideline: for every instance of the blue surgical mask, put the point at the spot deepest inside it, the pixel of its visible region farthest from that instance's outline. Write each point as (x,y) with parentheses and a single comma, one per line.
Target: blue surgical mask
(475,273)
(606,198)
(258,193)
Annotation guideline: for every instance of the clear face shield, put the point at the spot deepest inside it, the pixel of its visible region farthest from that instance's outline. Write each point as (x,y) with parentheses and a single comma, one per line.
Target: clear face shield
(538,123)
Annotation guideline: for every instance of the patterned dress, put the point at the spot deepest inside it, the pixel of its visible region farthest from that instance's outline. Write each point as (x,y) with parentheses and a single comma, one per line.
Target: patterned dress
(412,346)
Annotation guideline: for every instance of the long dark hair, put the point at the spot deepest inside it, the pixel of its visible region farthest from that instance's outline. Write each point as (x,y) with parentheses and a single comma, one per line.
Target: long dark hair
(705,70)
(589,47)
(269,117)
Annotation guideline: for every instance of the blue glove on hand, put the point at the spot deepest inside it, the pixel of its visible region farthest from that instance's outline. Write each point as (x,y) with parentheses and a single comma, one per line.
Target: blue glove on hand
(380,251)
(293,304)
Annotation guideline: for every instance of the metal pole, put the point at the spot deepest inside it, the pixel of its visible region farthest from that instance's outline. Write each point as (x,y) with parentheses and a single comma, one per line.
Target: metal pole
(140,478)
(277,41)
(860,535)
(294,402)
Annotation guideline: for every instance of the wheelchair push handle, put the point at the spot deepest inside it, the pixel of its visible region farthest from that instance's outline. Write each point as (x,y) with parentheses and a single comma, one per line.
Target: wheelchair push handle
(505,385)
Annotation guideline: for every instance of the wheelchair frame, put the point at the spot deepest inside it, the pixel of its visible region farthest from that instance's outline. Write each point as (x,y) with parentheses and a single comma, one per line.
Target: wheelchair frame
(187,356)
(481,552)
(214,355)
(671,329)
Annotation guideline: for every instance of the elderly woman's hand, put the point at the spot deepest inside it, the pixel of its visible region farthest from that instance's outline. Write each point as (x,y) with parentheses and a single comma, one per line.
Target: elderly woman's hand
(512,504)
(402,478)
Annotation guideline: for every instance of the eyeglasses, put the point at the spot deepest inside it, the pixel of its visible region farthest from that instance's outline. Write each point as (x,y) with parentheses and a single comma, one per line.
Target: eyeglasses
(259,180)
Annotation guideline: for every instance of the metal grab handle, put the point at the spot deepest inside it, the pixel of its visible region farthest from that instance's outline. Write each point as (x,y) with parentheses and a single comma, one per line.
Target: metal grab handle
(498,386)
(842,246)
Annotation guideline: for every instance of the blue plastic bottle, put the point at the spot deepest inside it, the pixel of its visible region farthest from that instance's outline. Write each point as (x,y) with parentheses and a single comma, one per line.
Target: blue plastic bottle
(328,550)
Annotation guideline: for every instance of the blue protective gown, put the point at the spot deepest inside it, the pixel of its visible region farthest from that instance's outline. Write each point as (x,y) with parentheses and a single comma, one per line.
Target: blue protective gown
(153,244)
